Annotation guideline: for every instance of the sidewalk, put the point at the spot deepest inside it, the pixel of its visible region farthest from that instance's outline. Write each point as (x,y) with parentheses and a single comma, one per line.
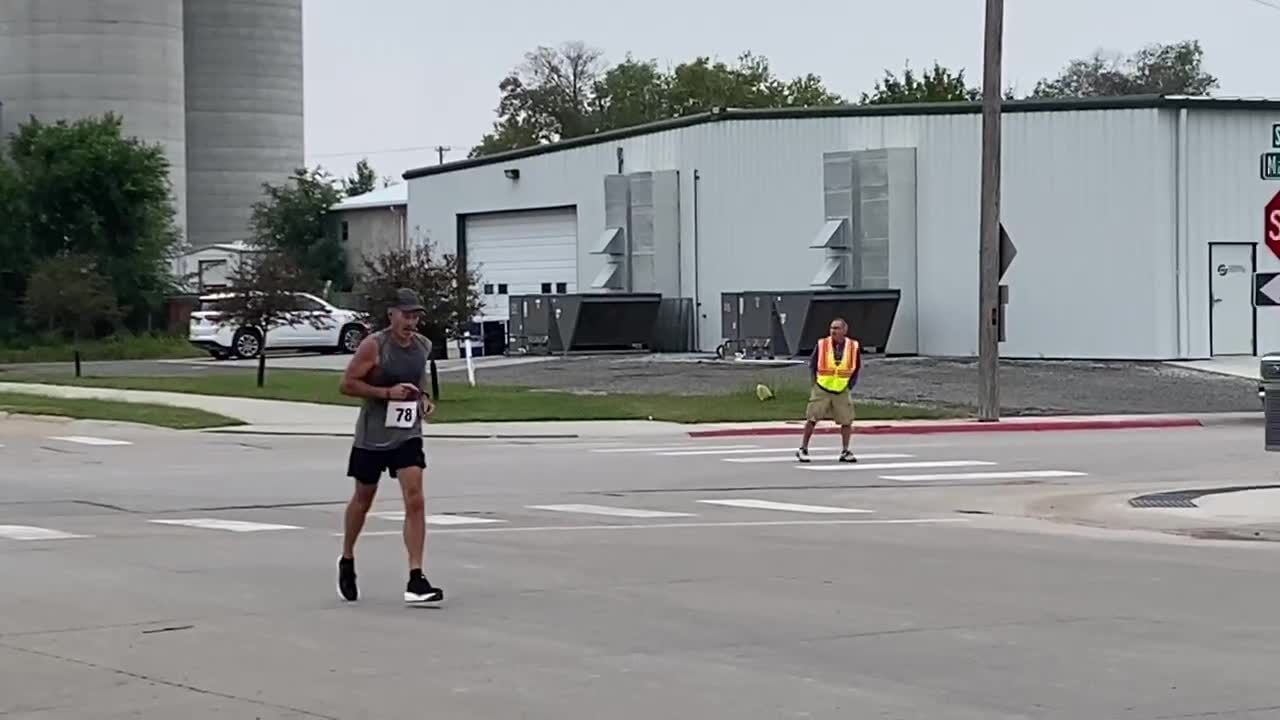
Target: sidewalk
(275,417)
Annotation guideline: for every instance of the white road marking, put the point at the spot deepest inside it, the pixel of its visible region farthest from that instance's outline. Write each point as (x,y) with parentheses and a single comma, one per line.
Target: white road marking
(86,440)
(895,466)
(398,515)
(789,507)
(832,458)
(1012,475)
(606,510)
(673,526)
(672,448)
(27,532)
(238,526)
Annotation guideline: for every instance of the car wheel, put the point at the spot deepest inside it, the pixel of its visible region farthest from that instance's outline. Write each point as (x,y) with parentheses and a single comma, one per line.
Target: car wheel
(246,344)
(350,338)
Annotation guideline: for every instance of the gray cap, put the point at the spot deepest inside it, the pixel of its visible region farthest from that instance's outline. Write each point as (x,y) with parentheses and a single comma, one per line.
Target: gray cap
(407,300)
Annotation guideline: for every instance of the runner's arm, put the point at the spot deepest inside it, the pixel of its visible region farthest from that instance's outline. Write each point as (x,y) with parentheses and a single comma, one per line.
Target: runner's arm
(363,363)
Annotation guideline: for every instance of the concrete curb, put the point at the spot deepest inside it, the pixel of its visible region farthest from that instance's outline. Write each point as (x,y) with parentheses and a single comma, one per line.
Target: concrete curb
(968,426)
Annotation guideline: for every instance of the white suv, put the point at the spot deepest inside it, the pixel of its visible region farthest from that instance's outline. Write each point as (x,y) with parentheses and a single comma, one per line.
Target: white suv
(340,330)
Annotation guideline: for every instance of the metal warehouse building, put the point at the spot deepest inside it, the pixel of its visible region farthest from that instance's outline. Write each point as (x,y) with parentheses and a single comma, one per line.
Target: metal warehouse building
(1137,221)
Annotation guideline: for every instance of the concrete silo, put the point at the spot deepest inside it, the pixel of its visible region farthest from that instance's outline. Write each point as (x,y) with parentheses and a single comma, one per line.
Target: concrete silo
(243,108)
(68,59)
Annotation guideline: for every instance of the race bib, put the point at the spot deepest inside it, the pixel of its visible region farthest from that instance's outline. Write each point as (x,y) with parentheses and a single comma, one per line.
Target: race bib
(402,413)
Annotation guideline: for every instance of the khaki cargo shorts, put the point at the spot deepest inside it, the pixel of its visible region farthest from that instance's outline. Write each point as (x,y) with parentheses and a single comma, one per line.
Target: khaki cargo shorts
(829,406)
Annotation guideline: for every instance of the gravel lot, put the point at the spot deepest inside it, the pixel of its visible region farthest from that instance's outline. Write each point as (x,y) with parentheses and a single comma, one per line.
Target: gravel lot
(1026,387)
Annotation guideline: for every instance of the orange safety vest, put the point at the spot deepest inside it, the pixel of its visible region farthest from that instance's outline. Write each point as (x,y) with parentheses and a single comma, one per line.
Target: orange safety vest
(834,376)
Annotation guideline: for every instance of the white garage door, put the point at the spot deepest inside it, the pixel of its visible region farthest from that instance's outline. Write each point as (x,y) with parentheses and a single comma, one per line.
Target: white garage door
(523,253)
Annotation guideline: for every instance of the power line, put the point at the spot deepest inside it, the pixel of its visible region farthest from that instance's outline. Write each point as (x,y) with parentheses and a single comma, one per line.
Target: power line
(384,151)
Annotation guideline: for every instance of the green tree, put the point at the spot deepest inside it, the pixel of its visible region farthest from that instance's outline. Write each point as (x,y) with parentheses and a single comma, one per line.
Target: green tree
(702,84)
(292,218)
(83,188)
(631,93)
(935,84)
(567,92)
(263,300)
(1172,69)
(364,180)
(449,291)
(66,294)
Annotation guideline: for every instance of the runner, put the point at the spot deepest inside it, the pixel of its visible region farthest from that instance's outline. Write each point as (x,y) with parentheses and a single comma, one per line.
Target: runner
(387,371)
(834,366)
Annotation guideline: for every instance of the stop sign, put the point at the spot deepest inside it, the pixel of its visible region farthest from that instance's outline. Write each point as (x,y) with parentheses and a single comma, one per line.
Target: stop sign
(1271,225)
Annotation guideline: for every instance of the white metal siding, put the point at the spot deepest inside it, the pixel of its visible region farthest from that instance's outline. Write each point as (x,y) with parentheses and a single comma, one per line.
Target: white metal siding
(1226,196)
(1088,199)
(522,250)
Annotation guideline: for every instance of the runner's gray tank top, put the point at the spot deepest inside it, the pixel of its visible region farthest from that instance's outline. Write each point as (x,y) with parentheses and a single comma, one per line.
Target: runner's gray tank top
(396,365)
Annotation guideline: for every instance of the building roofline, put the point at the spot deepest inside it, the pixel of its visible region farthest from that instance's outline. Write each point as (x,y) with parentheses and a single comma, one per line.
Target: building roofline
(1132,102)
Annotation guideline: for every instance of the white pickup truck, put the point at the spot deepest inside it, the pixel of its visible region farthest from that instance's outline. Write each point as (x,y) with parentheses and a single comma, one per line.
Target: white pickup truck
(340,330)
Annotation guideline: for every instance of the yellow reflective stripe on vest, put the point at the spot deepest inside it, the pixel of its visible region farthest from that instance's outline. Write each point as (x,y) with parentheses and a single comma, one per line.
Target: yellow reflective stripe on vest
(834,376)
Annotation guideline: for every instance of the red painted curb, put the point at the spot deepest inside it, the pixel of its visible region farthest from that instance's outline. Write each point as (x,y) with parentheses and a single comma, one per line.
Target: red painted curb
(964,427)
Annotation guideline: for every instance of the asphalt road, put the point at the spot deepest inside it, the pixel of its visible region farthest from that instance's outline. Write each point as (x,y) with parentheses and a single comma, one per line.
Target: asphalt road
(1027,387)
(881,596)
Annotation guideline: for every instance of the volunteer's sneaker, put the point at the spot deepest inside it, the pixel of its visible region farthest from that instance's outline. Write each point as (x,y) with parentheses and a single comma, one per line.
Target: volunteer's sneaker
(802,455)
(420,592)
(847,457)
(347,589)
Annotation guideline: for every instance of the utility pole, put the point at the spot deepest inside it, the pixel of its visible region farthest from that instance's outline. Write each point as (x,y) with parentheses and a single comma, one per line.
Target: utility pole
(441,150)
(989,230)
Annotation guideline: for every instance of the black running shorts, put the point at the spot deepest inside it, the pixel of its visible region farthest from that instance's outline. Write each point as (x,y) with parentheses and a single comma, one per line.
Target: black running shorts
(367,466)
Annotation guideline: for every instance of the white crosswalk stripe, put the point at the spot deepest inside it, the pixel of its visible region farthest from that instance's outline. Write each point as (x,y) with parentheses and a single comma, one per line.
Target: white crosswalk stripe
(669,448)
(751,450)
(611,511)
(28,532)
(398,515)
(898,466)
(87,440)
(788,507)
(818,458)
(1010,475)
(236,526)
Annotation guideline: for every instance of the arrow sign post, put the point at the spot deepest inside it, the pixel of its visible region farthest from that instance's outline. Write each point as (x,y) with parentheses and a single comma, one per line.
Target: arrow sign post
(1007,252)
(1266,289)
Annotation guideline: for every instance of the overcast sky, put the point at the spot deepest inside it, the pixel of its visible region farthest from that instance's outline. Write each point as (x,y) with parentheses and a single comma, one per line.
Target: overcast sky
(385,75)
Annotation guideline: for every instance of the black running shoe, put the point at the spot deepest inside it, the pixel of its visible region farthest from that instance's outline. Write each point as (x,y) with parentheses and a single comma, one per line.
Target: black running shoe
(847,457)
(420,592)
(347,589)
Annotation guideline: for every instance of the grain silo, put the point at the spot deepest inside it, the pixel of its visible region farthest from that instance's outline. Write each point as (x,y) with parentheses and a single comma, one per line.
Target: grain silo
(243,108)
(69,59)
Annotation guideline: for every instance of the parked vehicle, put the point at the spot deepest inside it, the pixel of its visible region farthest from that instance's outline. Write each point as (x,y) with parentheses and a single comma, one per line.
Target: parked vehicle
(340,330)
(1268,371)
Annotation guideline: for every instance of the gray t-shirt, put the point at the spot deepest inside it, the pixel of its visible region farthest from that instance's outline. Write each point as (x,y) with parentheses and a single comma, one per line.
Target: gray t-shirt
(396,364)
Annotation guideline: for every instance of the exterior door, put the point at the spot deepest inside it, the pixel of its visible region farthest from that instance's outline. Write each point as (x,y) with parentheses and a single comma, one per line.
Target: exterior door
(1231,311)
